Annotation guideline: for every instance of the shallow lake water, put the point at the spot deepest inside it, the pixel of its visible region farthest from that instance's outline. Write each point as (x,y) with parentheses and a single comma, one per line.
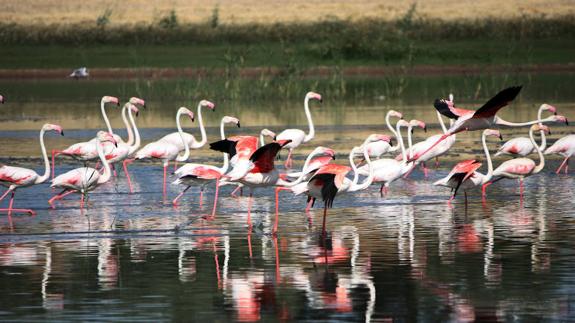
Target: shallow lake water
(404,257)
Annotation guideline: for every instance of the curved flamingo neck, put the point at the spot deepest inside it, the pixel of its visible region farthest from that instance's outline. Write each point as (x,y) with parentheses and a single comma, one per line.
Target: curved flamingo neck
(397,145)
(353,165)
(107,171)
(137,141)
(489,174)
(226,164)
(46,175)
(262,140)
(502,122)
(128,126)
(204,139)
(542,132)
(106,120)
(357,187)
(441,123)
(541,164)
(400,140)
(302,173)
(309,136)
(186,154)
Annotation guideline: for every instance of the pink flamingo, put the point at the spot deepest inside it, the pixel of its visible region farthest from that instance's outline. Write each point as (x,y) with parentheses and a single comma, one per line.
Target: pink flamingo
(521,145)
(84,179)
(376,146)
(297,136)
(464,174)
(16,177)
(311,165)
(388,170)
(258,171)
(166,151)
(124,150)
(86,151)
(565,147)
(330,181)
(175,139)
(198,174)
(436,152)
(520,168)
(483,118)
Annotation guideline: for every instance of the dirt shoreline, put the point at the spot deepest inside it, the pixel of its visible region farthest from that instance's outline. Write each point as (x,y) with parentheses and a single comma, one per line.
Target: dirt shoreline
(256,72)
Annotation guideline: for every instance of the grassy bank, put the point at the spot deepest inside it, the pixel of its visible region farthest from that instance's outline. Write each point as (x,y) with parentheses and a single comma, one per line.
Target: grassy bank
(406,41)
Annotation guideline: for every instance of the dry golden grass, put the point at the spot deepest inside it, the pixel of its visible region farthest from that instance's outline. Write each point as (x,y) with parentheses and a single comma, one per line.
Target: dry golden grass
(244,11)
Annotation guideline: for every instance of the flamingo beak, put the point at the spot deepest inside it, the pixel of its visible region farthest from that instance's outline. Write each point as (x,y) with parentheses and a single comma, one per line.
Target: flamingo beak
(566,121)
(500,137)
(425,129)
(239,124)
(391,141)
(62,133)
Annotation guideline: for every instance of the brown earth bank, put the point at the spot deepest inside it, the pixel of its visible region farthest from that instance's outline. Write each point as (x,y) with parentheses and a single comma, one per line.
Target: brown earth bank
(256,72)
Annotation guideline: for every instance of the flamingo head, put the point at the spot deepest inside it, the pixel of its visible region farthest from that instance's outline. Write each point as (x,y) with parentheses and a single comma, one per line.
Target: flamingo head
(135,100)
(104,136)
(1,99)
(548,107)
(560,118)
(417,123)
(402,123)
(53,127)
(208,104)
(493,132)
(313,95)
(228,119)
(320,150)
(269,133)
(134,109)
(541,127)
(111,99)
(184,110)
(396,114)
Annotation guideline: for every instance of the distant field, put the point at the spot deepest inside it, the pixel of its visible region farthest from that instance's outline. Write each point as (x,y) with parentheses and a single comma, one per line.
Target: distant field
(269,11)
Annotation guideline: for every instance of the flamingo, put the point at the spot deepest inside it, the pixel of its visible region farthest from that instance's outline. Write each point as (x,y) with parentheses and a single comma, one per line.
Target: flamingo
(464,174)
(330,181)
(86,151)
(297,136)
(166,151)
(521,145)
(84,179)
(16,177)
(565,147)
(387,170)
(439,150)
(375,148)
(520,168)
(255,169)
(124,150)
(79,73)
(395,114)
(174,138)
(198,174)
(483,118)
(2,99)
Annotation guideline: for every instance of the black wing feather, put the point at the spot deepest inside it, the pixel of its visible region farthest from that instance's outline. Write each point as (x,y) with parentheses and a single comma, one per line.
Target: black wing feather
(224,146)
(500,100)
(442,107)
(272,148)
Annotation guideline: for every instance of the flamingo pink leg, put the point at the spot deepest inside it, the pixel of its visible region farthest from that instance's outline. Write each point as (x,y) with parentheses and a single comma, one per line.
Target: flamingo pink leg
(114,169)
(10,210)
(201,197)
(217,266)
(216,197)
(565,161)
(288,163)
(59,197)
(175,201)
(165,170)
(450,199)
(408,173)
(381,190)
(484,189)
(5,193)
(276,223)
(81,201)
(425,170)
(250,209)
(125,165)
(309,205)
(323,232)
(234,192)
(437,162)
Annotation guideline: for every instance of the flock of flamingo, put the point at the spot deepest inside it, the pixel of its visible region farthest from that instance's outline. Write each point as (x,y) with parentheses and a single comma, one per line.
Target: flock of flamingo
(249,162)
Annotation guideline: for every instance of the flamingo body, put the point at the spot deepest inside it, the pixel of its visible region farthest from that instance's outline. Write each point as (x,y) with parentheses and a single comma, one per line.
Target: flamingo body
(83,179)
(17,176)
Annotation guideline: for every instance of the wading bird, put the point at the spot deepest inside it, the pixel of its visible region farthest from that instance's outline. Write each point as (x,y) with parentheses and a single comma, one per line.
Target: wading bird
(519,168)
(198,174)
(297,136)
(464,174)
(84,179)
(565,147)
(522,145)
(166,151)
(16,177)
